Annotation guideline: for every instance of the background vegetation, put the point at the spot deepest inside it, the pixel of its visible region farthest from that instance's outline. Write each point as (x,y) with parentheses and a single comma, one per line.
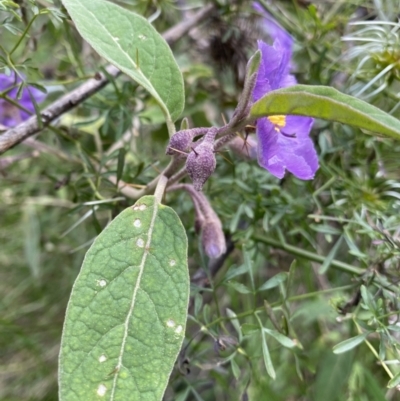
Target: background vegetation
(314,260)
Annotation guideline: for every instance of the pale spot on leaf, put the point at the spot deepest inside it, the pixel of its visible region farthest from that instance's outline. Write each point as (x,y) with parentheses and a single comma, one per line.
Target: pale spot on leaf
(102,358)
(140,243)
(172,262)
(101,390)
(170,323)
(102,283)
(140,207)
(137,223)
(179,329)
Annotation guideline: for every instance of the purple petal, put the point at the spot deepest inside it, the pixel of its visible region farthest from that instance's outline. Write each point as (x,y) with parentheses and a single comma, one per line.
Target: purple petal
(8,80)
(274,30)
(288,80)
(11,115)
(269,65)
(303,163)
(269,150)
(35,93)
(278,151)
(298,125)
(274,67)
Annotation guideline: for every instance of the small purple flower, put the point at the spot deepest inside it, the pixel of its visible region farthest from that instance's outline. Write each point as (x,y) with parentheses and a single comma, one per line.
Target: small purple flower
(10,115)
(283,141)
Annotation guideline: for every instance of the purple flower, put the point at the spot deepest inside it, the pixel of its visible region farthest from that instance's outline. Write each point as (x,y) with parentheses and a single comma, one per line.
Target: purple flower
(11,115)
(283,141)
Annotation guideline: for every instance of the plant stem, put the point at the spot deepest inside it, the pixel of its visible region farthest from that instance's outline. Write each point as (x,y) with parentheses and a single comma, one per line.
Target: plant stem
(309,255)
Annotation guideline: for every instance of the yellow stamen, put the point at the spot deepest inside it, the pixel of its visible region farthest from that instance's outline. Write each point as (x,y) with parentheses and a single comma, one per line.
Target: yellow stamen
(278,121)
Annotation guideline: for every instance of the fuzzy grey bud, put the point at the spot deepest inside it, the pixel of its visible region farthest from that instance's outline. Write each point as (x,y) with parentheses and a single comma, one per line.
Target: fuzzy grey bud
(180,142)
(213,238)
(200,164)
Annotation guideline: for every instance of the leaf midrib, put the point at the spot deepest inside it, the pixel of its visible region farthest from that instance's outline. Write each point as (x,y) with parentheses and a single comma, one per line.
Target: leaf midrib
(138,71)
(134,295)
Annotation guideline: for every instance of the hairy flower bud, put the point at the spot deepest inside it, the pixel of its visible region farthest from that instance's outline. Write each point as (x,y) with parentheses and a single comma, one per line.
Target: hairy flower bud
(180,142)
(200,164)
(213,238)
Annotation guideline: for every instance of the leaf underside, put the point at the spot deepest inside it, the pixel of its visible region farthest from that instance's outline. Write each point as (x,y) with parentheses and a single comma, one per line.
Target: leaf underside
(329,104)
(126,317)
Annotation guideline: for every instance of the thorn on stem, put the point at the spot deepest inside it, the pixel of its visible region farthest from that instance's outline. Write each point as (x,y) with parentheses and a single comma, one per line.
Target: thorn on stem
(179,151)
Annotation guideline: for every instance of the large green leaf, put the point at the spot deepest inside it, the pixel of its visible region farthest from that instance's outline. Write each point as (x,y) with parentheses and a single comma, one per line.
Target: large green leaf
(329,104)
(126,318)
(130,42)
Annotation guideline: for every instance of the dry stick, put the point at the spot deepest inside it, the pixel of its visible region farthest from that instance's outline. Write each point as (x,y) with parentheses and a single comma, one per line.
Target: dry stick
(18,134)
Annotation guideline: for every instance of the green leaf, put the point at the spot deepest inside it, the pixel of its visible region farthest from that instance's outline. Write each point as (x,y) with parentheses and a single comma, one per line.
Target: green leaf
(32,241)
(235,322)
(235,369)
(350,343)
(249,328)
(121,163)
(368,299)
(285,341)
(332,376)
(239,287)
(332,253)
(274,281)
(126,317)
(130,42)
(267,357)
(329,104)
(395,381)
(253,64)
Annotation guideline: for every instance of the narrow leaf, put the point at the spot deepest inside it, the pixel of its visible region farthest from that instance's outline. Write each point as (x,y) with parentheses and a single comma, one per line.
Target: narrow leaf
(130,42)
(395,381)
(350,343)
(267,357)
(332,253)
(239,287)
(274,281)
(329,104)
(235,322)
(249,328)
(121,163)
(253,64)
(235,369)
(368,299)
(126,318)
(32,241)
(285,341)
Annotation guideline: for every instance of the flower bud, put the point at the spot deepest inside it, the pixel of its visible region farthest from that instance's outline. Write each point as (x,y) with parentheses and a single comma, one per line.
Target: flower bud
(213,238)
(180,142)
(200,164)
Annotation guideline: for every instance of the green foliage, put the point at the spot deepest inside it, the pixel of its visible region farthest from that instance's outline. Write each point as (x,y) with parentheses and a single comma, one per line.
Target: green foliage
(126,318)
(314,265)
(329,104)
(131,43)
